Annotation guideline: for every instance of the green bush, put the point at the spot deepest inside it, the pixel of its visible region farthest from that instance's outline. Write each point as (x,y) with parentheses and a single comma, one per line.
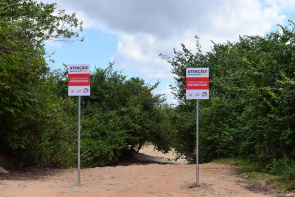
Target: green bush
(251,110)
(120,116)
(36,124)
(284,166)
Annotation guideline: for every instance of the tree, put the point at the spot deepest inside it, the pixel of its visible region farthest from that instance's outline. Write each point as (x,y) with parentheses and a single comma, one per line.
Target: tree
(250,112)
(120,116)
(24,111)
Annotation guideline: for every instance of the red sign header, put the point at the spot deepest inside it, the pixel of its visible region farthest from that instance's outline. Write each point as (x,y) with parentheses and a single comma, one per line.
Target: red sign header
(200,83)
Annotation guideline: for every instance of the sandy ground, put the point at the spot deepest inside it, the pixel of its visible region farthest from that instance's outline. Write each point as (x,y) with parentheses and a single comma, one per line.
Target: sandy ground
(151,174)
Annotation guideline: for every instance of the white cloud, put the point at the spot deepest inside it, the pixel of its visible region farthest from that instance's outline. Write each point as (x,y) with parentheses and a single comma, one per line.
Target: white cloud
(147,28)
(52,44)
(144,34)
(141,52)
(286,5)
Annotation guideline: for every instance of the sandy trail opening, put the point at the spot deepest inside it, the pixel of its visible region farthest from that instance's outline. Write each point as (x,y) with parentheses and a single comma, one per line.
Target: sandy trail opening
(150,174)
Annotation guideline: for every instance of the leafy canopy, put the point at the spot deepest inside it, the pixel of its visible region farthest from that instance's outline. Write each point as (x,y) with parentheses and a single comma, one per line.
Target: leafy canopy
(251,108)
(25,112)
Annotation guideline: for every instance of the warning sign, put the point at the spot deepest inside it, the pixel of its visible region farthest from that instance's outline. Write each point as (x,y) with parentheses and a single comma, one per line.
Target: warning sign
(79,80)
(197,83)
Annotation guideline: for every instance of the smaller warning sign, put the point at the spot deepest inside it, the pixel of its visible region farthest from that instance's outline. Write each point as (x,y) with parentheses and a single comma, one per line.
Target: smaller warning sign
(79,80)
(197,83)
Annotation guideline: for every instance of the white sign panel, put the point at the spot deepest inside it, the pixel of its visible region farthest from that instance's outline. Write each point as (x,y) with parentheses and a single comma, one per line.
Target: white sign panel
(197,83)
(79,80)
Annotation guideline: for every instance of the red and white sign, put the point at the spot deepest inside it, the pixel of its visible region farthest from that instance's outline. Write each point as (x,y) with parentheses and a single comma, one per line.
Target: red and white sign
(197,83)
(79,80)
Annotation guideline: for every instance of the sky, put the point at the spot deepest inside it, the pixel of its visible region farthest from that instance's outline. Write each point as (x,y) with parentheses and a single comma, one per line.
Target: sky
(132,33)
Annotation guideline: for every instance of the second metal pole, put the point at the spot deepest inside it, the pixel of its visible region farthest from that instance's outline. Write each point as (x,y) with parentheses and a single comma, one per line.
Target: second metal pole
(197,144)
(79,134)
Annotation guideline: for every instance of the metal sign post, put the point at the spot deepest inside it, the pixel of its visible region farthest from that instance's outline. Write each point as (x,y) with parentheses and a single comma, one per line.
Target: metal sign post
(197,87)
(197,144)
(79,136)
(79,85)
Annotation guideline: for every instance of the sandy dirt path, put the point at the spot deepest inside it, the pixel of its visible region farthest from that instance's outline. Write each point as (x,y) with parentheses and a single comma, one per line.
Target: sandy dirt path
(150,175)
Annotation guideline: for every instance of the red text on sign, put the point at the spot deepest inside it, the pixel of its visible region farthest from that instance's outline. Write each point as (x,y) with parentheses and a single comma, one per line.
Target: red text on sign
(197,83)
(79,80)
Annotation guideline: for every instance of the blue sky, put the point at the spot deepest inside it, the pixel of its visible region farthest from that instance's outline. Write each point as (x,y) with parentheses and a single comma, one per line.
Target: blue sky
(133,33)
(96,49)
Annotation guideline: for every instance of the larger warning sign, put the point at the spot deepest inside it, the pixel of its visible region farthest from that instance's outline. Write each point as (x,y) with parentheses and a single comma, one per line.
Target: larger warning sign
(79,80)
(197,83)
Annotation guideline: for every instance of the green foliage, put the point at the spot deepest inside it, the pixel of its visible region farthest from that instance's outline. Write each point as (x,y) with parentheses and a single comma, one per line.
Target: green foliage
(185,124)
(34,120)
(38,120)
(42,133)
(36,22)
(255,173)
(120,116)
(251,109)
(243,165)
(284,166)
(102,141)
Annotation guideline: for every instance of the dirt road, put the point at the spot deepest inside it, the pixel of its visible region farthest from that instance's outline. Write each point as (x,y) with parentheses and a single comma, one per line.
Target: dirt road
(150,175)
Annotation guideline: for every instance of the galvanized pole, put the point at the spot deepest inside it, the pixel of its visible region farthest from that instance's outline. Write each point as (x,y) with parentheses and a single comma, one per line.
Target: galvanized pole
(79,136)
(197,144)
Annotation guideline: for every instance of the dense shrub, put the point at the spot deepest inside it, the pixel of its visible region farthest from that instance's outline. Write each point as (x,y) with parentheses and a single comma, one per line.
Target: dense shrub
(251,109)
(120,116)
